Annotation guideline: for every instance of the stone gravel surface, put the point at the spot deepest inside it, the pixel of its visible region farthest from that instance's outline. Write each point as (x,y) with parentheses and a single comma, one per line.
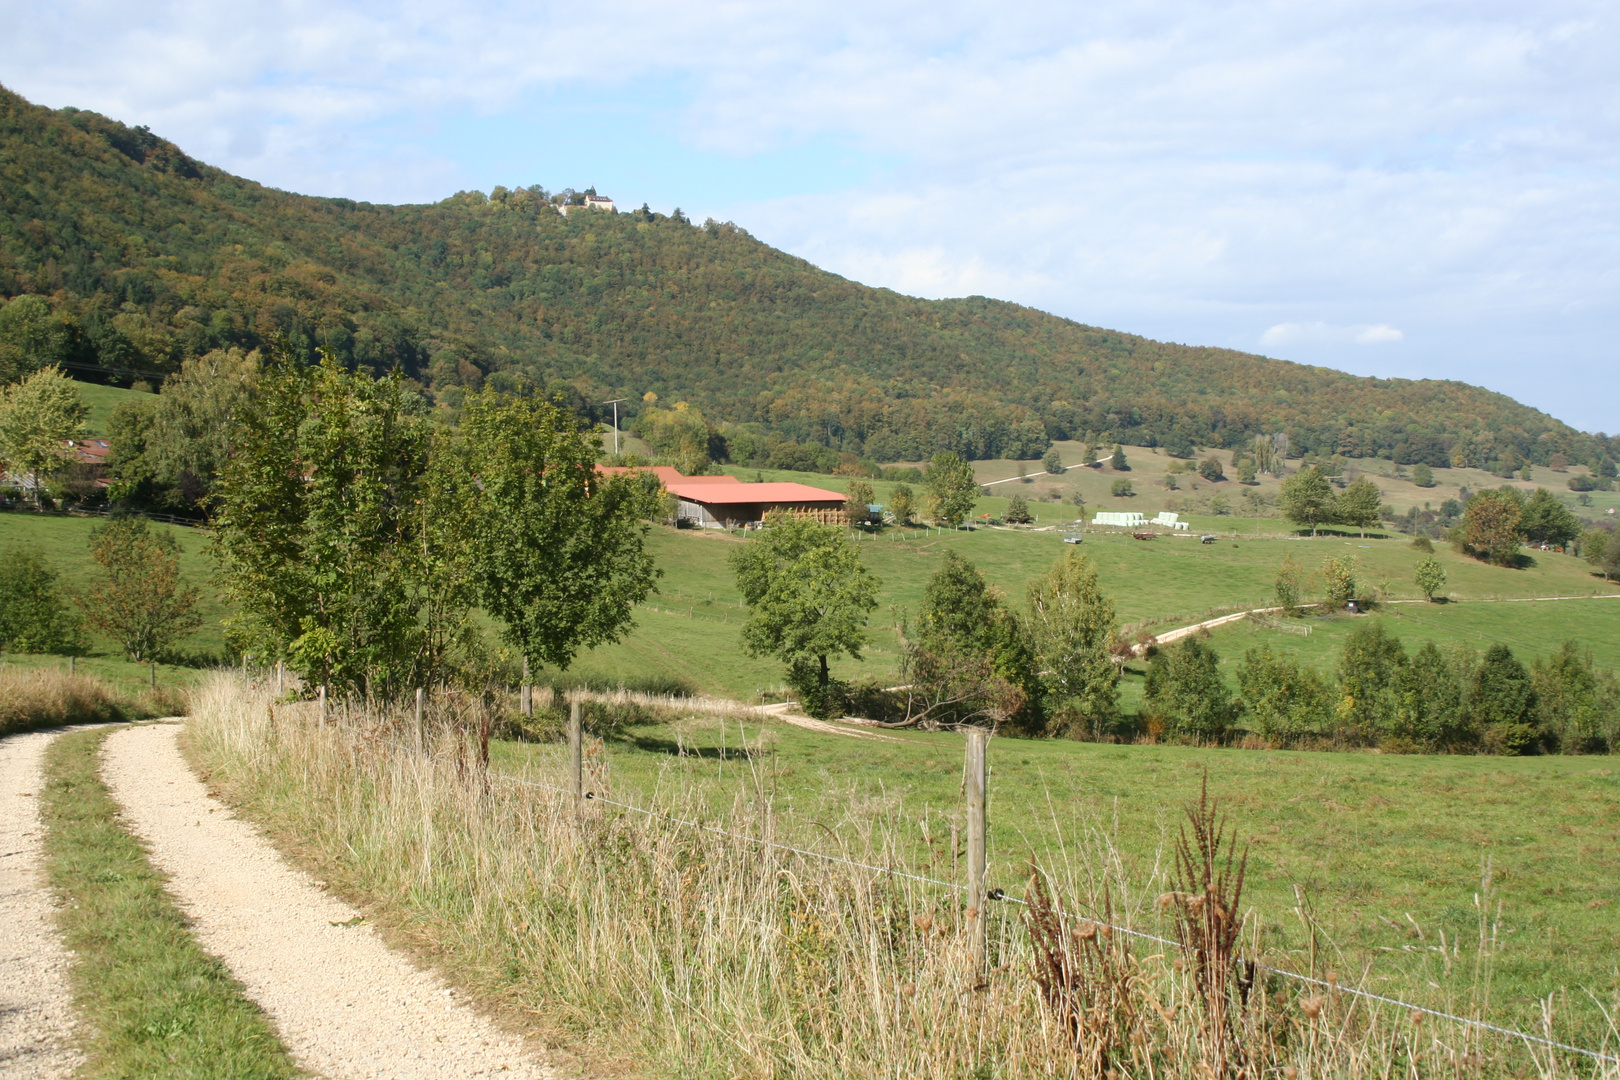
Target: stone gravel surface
(345,1004)
(36,1007)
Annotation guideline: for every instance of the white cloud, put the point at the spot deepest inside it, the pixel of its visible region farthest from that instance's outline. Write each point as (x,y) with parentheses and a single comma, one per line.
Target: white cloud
(1179,169)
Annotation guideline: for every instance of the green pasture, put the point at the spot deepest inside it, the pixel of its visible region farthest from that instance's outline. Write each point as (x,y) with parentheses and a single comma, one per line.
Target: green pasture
(691,628)
(102,400)
(1387,851)
(64,542)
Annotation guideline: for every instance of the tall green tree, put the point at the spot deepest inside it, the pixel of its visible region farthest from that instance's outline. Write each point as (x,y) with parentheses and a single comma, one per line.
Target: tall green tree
(142,602)
(1357,505)
(809,598)
(555,551)
(1546,520)
(1576,704)
(1370,667)
(1284,700)
(858,498)
(1490,526)
(952,490)
(1428,700)
(1306,498)
(320,531)
(1502,702)
(1422,475)
(1117,460)
(1073,626)
(1287,587)
(169,448)
(36,416)
(1184,691)
(1052,462)
(902,503)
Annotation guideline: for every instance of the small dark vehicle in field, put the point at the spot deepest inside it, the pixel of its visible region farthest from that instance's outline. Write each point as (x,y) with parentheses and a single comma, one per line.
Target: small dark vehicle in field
(1207,539)
(1146,536)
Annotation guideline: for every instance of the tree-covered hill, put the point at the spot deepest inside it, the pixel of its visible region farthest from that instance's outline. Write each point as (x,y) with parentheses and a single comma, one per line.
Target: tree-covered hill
(141,256)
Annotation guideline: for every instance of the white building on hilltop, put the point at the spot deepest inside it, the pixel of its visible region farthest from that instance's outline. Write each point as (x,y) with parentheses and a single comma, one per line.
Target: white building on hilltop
(592,202)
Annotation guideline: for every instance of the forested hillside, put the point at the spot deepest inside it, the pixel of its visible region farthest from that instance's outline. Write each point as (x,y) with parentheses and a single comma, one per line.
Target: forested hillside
(141,257)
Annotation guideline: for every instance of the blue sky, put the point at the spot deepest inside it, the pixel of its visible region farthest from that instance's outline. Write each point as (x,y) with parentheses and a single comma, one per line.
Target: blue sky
(1417,189)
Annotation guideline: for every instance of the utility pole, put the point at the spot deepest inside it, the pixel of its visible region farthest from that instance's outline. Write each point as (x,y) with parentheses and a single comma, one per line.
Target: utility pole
(615,404)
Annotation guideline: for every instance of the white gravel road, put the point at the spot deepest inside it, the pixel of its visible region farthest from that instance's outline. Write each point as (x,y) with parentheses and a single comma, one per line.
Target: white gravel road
(344,1003)
(36,1018)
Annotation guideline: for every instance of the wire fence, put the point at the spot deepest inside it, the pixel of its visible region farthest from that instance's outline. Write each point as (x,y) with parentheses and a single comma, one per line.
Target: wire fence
(1001,895)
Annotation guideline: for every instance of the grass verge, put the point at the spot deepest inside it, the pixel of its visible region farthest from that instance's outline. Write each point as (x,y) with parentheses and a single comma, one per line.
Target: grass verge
(46,698)
(701,952)
(152,1002)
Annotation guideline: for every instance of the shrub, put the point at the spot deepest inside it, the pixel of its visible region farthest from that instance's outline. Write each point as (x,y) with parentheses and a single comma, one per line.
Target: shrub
(1370,667)
(1502,703)
(1053,462)
(1121,489)
(1283,700)
(1422,475)
(1186,693)
(1430,576)
(34,616)
(142,604)
(1339,580)
(1422,543)
(1018,511)
(1210,469)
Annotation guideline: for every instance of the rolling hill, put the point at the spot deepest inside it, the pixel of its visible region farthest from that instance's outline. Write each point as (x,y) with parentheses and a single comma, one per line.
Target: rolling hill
(145,256)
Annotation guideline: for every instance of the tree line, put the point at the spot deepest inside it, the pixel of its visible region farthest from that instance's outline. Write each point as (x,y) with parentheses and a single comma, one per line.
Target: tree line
(158,259)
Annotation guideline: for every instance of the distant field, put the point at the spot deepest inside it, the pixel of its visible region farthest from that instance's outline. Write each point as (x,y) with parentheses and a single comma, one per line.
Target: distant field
(691,628)
(64,543)
(1387,850)
(102,400)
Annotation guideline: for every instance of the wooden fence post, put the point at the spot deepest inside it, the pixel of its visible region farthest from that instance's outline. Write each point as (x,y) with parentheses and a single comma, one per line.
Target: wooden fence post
(576,760)
(153,664)
(526,692)
(418,719)
(280,677)
(321,693)
(976,899)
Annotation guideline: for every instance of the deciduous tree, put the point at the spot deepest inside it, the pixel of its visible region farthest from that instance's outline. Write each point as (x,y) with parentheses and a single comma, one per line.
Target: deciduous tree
(35,616)
(1546,520)
(952,490)
(1430,576)
(1490,526)
(1307,498)
(36,416)
(809,597)
(1073,627)
(1358,505)
(1053,462)
(1185,691)
(141,603)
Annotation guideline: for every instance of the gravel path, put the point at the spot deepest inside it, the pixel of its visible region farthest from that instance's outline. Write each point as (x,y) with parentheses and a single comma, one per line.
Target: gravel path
(344,1003)
(36,1008)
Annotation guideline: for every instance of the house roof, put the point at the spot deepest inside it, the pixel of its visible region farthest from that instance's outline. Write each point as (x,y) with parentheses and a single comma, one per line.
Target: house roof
(745,494)
(89,451)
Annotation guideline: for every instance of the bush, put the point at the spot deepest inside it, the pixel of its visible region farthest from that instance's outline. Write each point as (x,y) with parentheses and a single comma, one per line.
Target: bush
(1422,475)
(1423,543)
(1210,469)
(1121,489)
(1185,692)
(1017,511)
(34,616)
(1053,462)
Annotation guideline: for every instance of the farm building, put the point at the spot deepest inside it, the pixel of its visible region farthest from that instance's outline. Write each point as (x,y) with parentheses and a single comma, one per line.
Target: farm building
(727,502)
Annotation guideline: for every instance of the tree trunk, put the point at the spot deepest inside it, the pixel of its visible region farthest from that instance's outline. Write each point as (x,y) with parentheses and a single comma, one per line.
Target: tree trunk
(823,659)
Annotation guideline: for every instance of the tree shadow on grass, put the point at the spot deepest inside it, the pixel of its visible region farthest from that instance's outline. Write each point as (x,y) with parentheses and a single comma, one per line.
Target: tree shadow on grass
(674,749)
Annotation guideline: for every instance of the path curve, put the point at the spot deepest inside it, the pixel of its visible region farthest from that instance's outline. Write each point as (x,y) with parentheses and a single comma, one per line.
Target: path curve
(36,1004)
(1170,636)
(345,1004)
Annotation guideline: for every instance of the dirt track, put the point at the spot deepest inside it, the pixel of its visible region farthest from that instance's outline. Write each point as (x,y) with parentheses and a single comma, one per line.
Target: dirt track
(344,1004)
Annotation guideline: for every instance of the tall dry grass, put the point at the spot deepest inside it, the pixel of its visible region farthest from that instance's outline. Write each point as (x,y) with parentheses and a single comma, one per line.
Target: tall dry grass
(703,954)
(44,697)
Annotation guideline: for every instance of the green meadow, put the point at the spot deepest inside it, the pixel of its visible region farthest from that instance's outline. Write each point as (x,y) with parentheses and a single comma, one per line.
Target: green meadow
(1388,853)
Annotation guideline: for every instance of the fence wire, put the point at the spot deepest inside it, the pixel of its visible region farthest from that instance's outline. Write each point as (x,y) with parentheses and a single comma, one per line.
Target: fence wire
(1000,894)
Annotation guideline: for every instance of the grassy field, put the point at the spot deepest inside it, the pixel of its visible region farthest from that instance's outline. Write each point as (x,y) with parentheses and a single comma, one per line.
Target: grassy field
(1388,852)
(153,1002)
(102,400)
(691,628)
